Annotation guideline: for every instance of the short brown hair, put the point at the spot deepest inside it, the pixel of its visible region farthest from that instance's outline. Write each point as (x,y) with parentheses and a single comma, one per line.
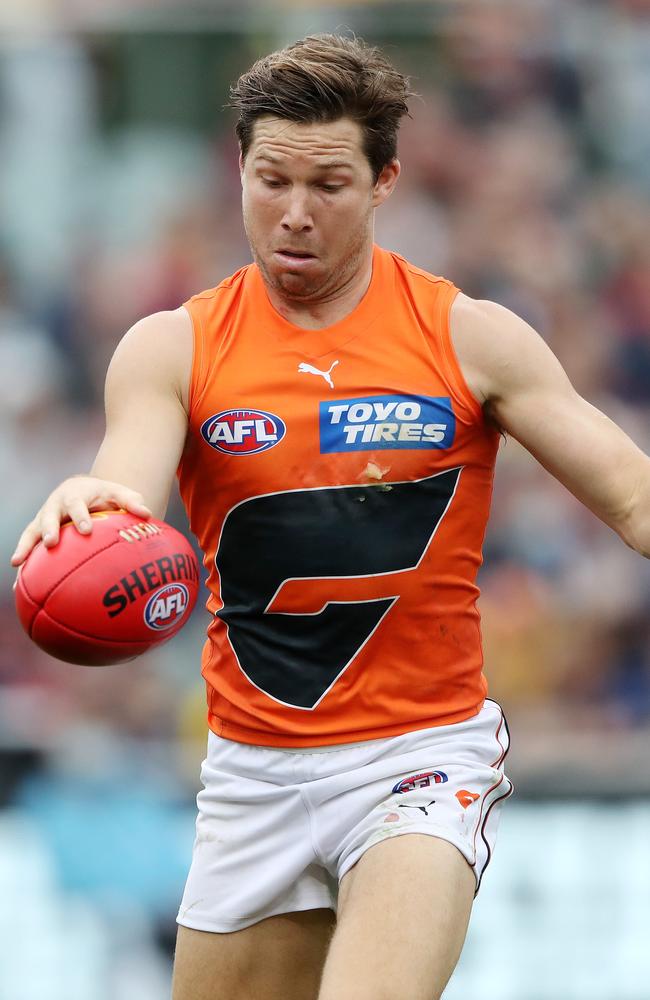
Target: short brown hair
(322,78)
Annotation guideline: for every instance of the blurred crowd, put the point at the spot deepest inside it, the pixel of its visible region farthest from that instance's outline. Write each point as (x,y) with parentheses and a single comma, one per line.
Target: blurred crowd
(526,180)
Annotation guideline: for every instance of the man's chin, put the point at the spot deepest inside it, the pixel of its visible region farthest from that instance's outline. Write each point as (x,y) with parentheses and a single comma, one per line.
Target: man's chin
(296,286)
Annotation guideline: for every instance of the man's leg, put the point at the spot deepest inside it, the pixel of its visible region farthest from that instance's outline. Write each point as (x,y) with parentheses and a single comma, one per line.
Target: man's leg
(280,958)
(402,919)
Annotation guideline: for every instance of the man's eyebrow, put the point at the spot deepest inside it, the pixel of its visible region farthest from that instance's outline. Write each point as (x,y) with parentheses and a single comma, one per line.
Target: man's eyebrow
(335,164)
(328,165)
(266,156)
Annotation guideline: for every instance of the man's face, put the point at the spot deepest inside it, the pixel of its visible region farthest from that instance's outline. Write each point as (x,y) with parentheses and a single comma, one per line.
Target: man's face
(308,200)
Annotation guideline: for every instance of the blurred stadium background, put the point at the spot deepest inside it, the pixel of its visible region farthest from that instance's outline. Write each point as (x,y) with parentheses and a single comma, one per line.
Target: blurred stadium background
(527,180)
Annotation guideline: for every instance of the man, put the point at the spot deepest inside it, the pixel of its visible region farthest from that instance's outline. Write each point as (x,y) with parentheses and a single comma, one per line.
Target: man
(334,415)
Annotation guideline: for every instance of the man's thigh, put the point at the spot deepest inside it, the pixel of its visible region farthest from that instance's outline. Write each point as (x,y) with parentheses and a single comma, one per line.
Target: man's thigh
(402,919)
(280,958)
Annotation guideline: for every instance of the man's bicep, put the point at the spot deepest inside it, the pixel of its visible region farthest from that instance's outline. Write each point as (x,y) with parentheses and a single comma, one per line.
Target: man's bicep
(146,423)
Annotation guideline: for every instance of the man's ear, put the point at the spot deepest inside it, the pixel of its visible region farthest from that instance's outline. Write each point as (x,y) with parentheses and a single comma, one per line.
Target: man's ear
(386,182)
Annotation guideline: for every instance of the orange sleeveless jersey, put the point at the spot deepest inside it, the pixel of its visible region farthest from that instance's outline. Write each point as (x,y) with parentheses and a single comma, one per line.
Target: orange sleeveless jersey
(339,482)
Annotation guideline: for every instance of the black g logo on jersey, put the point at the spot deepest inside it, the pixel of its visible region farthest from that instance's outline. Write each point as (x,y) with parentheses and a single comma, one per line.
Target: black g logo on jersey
(328,535)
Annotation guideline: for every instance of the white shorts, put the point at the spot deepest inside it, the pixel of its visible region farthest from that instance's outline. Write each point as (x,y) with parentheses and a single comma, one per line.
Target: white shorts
(277,829)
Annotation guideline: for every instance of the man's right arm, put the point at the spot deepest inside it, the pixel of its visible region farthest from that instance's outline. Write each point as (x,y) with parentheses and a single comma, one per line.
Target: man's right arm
(146,398)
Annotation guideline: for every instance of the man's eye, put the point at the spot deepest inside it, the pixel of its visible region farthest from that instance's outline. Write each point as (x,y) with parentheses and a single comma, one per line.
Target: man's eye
(272,183)
(331,188)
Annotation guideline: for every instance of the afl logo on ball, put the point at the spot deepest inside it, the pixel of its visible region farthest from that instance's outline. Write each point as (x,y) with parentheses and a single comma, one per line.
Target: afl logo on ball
(166,606)
(243,432)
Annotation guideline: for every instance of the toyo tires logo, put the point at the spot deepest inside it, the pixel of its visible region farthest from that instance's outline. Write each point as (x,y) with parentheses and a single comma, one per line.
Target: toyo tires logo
(372,423)
(166,606)
(243,432)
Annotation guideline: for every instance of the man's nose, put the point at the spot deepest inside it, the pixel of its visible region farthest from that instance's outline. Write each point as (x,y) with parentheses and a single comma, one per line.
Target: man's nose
(297,215)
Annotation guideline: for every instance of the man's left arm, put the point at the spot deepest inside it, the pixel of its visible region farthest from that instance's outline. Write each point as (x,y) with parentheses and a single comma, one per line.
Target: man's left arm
(523,387)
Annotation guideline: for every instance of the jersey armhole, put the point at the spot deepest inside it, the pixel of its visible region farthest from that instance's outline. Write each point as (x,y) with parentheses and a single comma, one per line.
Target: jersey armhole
(197,371)
(453,364)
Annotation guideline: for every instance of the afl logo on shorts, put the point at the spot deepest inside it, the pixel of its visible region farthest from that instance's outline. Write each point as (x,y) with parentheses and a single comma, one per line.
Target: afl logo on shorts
(422,780)
(166,605)
(243,432)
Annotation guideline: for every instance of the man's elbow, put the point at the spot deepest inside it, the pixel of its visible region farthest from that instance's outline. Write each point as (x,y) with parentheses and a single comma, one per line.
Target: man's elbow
(633,525)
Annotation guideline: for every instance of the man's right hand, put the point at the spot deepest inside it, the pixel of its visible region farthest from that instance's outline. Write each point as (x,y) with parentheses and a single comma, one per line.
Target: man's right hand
(74,499)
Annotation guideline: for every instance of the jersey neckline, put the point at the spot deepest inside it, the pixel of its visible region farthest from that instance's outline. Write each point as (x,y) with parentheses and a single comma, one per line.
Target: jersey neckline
(318,343)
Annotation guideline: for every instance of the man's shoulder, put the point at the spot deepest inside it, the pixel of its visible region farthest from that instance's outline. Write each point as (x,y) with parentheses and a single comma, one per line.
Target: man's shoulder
(417,274)
(231,284)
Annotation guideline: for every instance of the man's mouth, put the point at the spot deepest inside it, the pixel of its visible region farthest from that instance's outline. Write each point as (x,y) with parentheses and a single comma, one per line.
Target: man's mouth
(296,254)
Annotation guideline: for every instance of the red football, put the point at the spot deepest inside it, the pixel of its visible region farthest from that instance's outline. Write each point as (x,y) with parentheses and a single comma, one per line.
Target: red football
(108,596)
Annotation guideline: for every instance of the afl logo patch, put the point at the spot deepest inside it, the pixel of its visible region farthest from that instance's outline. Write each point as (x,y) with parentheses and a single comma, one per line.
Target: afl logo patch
(422,780)
(243,432)
(166,606)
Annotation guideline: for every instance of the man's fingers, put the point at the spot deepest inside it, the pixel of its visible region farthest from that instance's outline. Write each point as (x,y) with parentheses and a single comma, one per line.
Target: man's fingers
(133,502)
(50,524)
(115,497)
(65,504)
(78,513)
(79,510)
(26,543)
(45,526)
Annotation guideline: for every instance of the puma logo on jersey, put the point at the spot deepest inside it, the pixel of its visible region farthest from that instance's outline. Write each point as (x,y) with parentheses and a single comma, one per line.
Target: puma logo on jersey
(424,809)
(369,423)
(310,370)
